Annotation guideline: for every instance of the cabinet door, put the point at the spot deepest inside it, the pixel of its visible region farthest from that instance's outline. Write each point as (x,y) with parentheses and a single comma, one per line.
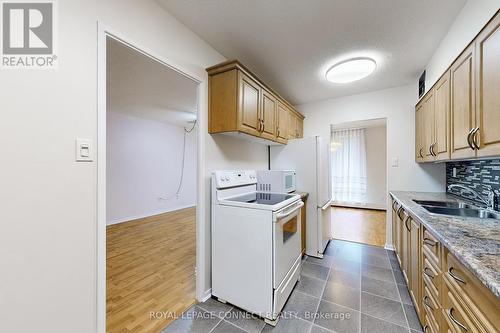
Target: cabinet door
(249,105)
(462,104)
(268,116)
(442,117)
(429,126)
(292,125)
(282,123)
(488,89)
(414,265)
(405,242)
(300,127)
(419,127)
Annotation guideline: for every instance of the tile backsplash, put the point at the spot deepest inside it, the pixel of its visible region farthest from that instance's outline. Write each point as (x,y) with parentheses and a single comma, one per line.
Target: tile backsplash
(479,175)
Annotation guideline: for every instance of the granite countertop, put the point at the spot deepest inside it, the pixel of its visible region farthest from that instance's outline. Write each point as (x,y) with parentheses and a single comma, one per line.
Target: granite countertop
(474,242)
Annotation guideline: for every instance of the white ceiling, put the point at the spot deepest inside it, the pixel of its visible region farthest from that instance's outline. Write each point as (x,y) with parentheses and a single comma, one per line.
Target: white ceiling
(291,43)
(140,86)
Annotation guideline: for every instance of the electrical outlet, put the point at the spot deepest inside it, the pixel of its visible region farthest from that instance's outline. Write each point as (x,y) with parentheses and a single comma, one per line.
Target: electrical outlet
(454,172)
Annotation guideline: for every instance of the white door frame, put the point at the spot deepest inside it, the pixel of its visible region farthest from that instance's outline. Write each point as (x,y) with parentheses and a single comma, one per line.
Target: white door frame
(197,76)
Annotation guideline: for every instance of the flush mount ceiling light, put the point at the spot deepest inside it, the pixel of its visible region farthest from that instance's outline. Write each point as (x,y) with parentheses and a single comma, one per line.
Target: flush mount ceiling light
(351,70)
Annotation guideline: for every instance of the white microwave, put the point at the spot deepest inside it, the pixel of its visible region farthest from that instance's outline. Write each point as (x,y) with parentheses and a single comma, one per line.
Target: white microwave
(277,181)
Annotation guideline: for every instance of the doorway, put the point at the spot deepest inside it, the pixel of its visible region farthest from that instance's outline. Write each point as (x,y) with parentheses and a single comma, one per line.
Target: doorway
(151,190)
(359,181)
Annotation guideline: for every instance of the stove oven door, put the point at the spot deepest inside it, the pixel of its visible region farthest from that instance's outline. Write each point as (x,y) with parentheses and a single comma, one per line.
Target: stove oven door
(286,247)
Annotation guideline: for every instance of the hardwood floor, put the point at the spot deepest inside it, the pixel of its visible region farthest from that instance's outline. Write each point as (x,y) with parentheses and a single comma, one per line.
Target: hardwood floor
(150,268)
(365,226)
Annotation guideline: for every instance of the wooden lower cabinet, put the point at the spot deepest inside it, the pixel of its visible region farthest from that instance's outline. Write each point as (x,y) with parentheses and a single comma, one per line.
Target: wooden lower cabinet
(448,298)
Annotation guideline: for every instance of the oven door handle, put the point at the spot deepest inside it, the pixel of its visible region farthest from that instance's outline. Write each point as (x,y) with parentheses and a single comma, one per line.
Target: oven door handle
(280,216)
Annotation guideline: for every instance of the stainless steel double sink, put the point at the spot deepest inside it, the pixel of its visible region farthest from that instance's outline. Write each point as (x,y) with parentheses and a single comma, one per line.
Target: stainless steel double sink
(457,209)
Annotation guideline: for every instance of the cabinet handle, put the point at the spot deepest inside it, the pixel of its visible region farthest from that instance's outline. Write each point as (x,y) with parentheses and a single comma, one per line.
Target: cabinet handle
(263,125)
(429,241)
(406,223)
(398,213)
(393,204)
(426,327)
(430,150)
(474,138)
(426,298)
(455,277)
(433,151)
(420,152)
(277,131)
(426,272)
(469,138)
(453,319)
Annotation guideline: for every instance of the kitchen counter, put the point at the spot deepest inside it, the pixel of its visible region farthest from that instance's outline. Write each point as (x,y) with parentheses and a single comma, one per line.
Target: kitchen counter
(474,242)
(303,195)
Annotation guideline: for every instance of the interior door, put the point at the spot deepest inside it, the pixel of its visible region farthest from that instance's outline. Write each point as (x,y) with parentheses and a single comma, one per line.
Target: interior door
(462,104)
(488,89)
(249,106)
(442,117)
(269,105)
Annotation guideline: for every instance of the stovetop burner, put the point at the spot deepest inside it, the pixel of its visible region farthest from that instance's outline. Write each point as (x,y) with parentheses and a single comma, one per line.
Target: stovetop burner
(262,198)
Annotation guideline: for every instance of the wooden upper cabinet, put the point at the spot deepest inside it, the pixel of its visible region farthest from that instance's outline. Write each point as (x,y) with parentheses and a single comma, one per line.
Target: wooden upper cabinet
(428,126)
(249,115)
(462,104)
(488,89)
(300,127)
(268,115)
(282,123)
(419,127)
(241,103)
(442,118)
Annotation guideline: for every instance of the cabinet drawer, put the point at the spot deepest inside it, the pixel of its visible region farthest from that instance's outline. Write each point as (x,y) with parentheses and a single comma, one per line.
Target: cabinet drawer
(455,314)
(433,247)
(474,295)
(431,277)
(430,326)
(431,307)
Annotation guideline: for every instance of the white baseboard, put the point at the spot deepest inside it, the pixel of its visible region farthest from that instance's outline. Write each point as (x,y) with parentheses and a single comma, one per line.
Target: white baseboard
(206,295)
(389,247)
(141,216)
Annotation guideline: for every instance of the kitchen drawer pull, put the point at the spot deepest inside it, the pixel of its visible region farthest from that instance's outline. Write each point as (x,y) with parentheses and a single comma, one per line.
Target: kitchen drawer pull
(406,223)
(393,204)
(455,277)
(426,272)
(429,241)
(468,138)
(426,327)
(474,138)
(399,212)
(427,304)
(453,319)
(420,152)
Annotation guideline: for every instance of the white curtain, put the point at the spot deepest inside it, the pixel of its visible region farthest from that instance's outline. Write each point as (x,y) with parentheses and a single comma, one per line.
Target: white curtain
(349,165)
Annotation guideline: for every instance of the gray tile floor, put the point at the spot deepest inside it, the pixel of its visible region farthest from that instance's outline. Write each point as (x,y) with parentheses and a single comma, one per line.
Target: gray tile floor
(354,288)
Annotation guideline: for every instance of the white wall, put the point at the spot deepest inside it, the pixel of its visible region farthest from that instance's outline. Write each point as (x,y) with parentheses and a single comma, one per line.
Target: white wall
(48,201)
(144,165)
(473,16)
(397,105)
(376,167)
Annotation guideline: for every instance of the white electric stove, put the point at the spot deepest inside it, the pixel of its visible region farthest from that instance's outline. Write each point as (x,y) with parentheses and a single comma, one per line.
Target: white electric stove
(256,244)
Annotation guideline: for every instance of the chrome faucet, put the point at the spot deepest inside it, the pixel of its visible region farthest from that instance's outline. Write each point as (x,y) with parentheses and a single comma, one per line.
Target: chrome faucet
(491,200)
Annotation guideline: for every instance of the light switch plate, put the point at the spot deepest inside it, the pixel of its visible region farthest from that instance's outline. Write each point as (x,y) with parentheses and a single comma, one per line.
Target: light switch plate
(84,151)
(395,162)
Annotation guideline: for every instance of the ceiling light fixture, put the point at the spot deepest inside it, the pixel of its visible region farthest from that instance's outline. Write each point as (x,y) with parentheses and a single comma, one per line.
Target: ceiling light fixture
(351,70)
